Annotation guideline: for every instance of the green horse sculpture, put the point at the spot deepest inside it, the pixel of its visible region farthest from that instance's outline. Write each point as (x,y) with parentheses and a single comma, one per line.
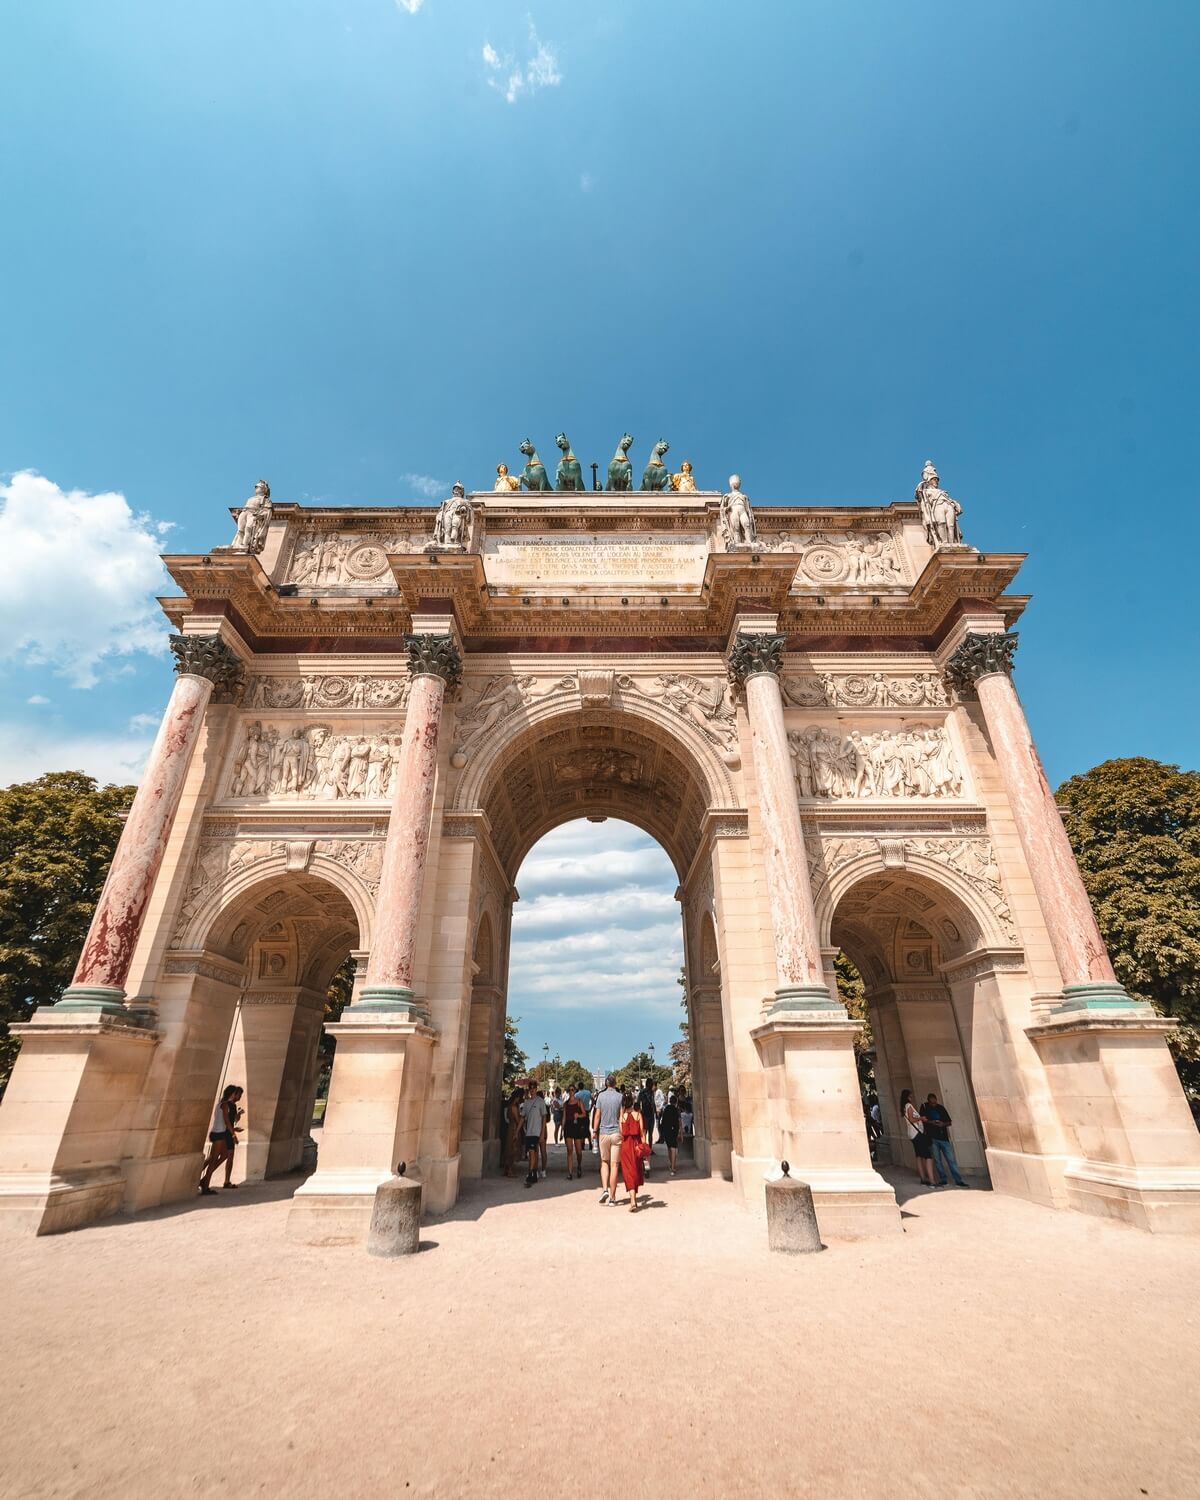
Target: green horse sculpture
(657,476)
(620,470)
(569,475)
(534,476)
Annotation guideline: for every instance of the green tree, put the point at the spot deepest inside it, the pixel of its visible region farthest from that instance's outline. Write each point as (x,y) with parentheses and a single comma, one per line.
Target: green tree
(1135,828)
(639,1067)
(514,1058)
(680,1052)
(852,992)
(57,837)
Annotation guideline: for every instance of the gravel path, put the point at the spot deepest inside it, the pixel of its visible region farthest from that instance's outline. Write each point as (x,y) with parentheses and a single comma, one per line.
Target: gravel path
(541,1343)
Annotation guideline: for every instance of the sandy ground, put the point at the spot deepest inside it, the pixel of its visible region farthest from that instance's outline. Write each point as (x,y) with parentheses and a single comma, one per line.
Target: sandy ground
(540,1343)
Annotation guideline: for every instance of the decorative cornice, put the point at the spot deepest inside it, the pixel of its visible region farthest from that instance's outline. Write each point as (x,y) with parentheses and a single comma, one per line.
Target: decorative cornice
(434,656)
(209,656)
(980,656)
(752,655)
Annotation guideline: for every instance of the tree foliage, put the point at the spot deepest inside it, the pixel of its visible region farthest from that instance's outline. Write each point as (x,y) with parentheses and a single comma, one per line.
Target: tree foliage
(57,837)
(680,1052)
(639,1067)
(1135,828)
(514,1058)
(852,992)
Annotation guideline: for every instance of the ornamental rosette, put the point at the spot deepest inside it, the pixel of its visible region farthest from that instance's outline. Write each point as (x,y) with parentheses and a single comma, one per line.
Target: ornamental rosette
(434,656)
(209,656)
(980,656)
(753,654)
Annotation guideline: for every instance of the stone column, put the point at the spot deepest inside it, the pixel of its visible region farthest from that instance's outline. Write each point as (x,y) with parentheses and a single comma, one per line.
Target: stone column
(434,663)
(755,662)
(982,666)
(207,669)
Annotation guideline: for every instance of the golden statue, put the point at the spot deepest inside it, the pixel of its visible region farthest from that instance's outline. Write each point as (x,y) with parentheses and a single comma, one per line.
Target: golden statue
(505,482)
(684,481)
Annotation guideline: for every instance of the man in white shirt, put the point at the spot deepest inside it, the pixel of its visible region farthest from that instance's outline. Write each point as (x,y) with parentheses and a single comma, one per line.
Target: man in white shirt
(533,1114)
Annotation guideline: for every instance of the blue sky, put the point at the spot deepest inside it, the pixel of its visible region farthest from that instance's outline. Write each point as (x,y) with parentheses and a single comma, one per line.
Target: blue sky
(364,249)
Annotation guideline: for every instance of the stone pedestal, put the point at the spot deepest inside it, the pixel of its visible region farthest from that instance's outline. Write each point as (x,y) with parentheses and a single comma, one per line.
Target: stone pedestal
(67,1110)
(812,1084)
(1135,1148)
(792,1218)
(396,1218)
(372,1121)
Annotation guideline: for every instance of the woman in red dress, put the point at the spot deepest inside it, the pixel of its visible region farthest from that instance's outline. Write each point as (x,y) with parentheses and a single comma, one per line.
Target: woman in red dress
(632,1148)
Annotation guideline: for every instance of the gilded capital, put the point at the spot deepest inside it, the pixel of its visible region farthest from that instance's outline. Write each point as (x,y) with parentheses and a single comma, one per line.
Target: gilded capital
(752,654)
(980,656)
(209,656)
(434,656)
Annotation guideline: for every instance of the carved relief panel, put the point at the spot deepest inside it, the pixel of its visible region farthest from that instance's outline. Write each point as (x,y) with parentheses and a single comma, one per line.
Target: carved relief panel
(912,761)
(329,559)
(313,762)
(844,558)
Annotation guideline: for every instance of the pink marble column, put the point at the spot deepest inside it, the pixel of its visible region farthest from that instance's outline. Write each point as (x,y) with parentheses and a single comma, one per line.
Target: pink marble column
(434,663)
(206,666)
(982,665)
(756,661)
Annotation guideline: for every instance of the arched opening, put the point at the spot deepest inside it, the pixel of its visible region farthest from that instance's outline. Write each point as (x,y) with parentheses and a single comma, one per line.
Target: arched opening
(291,935)
(907,934)
(580,807)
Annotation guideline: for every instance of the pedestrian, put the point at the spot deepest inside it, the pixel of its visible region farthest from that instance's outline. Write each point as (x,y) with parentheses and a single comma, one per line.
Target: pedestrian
(687,1119)
(584,1095)
(937,1125)
(575,1126)
(645,1104)
(556,1114)
(606,1121)
(533,1118)
(919,1136)
(545,1129)
(668,1130)
(660,1100)
(514,1134)
(222,1138)
(634,1148)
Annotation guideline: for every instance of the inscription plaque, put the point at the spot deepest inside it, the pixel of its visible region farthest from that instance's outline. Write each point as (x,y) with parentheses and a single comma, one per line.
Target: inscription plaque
(674,559)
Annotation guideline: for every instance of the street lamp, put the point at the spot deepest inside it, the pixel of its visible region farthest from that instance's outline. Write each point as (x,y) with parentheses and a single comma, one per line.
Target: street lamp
(545,1060)
(650,1049)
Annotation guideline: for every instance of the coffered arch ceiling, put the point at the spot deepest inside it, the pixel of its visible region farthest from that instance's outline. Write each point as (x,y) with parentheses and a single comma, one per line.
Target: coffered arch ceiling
(595,766)
(902,927)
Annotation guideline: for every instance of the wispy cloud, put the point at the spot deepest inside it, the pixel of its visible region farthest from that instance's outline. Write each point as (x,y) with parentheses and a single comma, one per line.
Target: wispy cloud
(426,484)
(411,6)
(141,722)
(586,182)
(26,753)
(37,698)
(538,70)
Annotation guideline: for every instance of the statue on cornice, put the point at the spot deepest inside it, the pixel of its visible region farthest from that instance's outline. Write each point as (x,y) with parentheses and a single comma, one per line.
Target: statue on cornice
(684,482)
(656,476)
(939,511)
(533,476)
(620,470)
(253,520)
(737,518)
(505,482)
(569,475)
(452,526)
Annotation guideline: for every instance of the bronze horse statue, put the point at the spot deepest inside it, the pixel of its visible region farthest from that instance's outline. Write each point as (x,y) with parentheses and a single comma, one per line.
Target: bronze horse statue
(569,475)
(620,470)
(534,476)
(657,476)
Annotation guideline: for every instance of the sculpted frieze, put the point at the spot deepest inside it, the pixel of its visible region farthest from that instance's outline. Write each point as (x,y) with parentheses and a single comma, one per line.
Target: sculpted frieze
(330,691)
(917,761)
(703,702)
(322,559)
(488,704)
(852,557)
(314,761)
(864,690)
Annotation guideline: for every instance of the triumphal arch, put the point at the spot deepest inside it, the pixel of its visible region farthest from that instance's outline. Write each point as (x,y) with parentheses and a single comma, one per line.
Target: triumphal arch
(377,713)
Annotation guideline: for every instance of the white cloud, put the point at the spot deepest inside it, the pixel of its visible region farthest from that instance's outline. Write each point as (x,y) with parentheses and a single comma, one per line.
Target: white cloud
(141,722)
(540,69)
(26,753)
(586,182)
(37,698)
(78,578)
(426,484)
(411,6)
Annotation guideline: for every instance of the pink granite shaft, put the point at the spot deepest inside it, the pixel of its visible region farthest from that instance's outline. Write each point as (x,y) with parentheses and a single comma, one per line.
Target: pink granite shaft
(117,921)
(1070,921)
(399,906)
(797,945)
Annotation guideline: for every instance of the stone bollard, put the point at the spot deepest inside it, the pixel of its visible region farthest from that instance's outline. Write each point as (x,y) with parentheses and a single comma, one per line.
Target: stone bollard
(396,1217)
(791,1217)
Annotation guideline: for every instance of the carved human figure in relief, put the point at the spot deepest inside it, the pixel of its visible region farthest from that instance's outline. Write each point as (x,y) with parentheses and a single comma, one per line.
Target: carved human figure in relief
(736,517)
(250,769)
(505,482)
(253,520)
(704,704)
(939,511)
(452,526)
(914,762)
(500,697)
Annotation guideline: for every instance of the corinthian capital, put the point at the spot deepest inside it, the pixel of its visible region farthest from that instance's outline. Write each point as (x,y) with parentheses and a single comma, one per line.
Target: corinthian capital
(434,656)
(752,654)
(979,656)
(209,656)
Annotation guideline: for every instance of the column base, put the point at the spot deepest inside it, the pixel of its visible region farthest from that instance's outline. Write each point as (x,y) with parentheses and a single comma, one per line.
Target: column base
(852,1203)
(806,998)
(1159,1201)
(91,997)
(391,1000)
(1099,995)
(51,1202)
(334,1208)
